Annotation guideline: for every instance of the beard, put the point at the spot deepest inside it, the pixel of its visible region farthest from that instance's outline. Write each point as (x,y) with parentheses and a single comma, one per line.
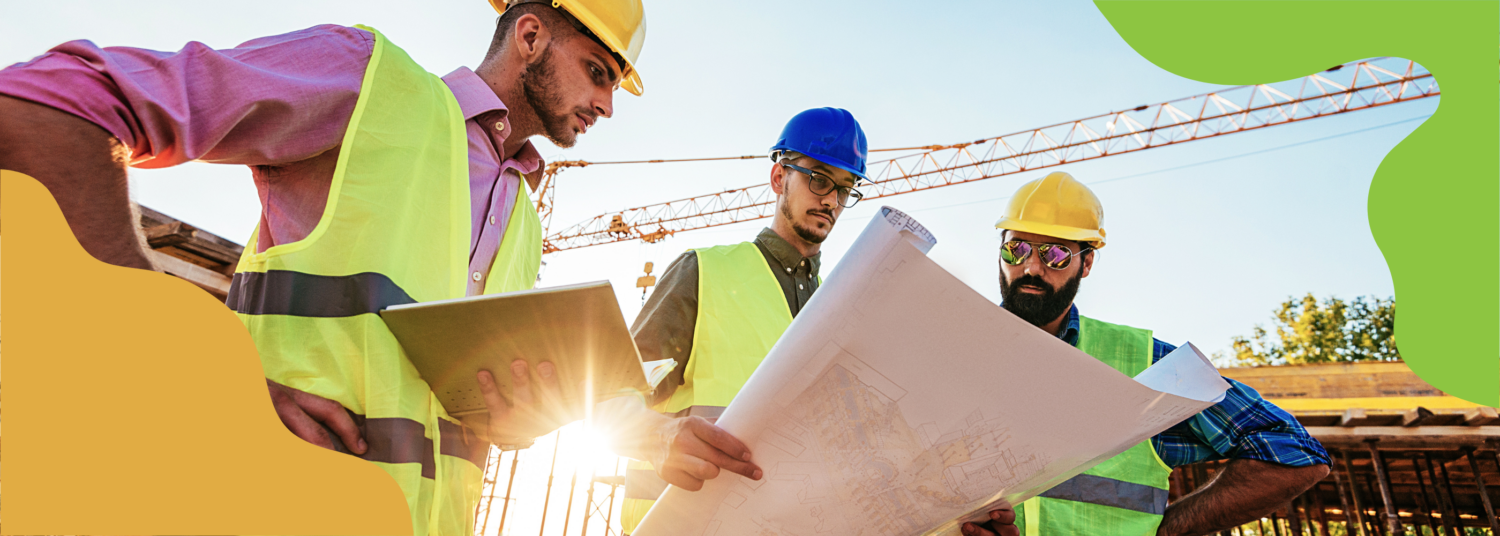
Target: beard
(806,233)
(539,84)
(1038,309)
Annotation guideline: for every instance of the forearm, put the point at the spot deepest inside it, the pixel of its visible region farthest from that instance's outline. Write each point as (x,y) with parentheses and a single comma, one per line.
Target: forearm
(1245,491)
(630,428)
(84,167)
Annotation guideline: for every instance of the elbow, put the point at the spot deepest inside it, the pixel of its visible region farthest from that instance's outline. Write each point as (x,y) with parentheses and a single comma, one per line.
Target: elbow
(1311,475)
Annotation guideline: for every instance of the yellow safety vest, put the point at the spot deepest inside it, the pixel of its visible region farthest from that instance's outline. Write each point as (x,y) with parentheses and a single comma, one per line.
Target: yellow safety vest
(395,230)
(741,313)
(1127,494)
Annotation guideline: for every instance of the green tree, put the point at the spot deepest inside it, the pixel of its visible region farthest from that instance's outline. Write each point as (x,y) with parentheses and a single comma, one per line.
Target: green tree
(1331,331)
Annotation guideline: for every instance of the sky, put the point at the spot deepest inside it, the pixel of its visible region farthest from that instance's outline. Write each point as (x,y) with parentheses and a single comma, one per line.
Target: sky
(1205,238)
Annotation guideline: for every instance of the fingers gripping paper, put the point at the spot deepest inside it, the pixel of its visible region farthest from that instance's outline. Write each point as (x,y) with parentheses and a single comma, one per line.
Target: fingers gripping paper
(902,402)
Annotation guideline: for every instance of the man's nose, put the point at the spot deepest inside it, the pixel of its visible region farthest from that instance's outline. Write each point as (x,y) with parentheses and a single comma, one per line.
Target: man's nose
(604,106)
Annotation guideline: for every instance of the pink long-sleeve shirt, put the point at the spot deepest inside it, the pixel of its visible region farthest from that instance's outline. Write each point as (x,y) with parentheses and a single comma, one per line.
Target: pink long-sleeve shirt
(278,104)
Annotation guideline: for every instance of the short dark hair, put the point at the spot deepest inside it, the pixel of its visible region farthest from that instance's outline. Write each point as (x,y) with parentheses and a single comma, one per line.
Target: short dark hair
(554,20)
(507,22)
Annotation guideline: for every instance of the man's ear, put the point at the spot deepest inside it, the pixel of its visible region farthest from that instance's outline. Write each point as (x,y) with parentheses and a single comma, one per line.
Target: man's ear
(530,37)
(778,178)
(1088,262)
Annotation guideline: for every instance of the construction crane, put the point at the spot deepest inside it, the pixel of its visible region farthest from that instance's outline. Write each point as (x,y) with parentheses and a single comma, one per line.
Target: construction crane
(1341,89)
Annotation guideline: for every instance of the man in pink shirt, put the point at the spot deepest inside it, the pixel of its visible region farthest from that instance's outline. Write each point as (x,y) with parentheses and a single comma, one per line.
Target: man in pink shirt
(290,107)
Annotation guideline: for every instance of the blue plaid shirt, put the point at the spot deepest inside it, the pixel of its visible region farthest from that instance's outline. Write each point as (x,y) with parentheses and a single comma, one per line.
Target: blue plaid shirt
(1243,425)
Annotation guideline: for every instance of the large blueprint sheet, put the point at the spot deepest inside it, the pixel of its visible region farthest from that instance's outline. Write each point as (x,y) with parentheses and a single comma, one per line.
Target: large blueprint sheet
(902,402)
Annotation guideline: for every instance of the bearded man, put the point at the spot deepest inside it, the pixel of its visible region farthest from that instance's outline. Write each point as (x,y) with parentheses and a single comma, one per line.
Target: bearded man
(1053,229)
(380,184)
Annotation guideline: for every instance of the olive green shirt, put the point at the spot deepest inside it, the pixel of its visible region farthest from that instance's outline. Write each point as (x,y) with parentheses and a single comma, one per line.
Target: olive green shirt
(664,329)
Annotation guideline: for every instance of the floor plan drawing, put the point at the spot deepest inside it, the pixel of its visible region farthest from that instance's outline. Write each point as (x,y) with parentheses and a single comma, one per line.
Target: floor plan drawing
(901,402)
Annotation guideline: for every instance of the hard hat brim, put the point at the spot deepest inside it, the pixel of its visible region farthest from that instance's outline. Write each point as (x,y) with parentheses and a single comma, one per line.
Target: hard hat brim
(846,167)
(1094,239)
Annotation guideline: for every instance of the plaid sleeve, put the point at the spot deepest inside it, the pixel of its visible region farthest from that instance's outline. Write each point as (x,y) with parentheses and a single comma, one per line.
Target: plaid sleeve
(1243,425)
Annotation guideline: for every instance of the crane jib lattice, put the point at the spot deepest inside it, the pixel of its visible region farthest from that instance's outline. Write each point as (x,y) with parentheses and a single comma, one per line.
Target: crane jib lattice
(1345,88)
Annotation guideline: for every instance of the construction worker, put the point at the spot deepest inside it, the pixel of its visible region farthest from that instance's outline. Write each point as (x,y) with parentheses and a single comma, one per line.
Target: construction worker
(380,184)
(717,311)
(1052,229)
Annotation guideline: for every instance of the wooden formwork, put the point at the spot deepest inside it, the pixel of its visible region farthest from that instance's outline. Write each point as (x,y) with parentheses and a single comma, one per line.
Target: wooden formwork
(1400,448)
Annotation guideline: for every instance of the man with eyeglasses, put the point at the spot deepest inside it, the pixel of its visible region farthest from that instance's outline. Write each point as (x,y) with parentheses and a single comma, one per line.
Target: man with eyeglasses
(1052,228)
(717,311)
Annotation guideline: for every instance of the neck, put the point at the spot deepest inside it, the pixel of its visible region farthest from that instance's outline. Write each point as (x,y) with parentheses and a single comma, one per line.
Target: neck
(783,229)
(503,76)
(1055,326)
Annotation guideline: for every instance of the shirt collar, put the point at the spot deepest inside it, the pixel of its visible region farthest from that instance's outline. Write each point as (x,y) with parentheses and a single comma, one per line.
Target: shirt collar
(784,253)
(480,104)
(1070,327)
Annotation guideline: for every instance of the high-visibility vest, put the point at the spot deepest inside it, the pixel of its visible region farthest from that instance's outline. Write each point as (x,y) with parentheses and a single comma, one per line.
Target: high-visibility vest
(742,311)
(395,230)
(1127,494)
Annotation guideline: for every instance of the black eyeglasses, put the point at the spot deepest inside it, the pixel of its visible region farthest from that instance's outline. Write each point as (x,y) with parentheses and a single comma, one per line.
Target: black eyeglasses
(821,184)
(1054,256)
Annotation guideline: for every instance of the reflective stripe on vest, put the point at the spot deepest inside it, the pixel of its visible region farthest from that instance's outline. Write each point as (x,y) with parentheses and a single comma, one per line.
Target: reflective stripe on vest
(1125,495)
(1110,492)
(741,313)
(395,229)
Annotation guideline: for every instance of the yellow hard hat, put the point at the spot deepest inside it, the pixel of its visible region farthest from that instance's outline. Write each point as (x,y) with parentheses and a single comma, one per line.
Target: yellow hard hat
(1056,205)
(620,24)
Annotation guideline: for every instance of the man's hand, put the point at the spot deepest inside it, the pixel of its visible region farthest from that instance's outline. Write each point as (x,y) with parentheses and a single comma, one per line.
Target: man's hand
(691,451)
(531,412)
(1001,523)
(315,419)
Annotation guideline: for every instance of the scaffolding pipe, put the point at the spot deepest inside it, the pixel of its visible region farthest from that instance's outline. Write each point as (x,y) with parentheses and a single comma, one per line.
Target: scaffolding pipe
(1293,517)
(610,512)
(588,510)
(572,490)
(1352,516)
(1422,499)
(1374,514)
(1322,512)
(1392,519)
(514,459)
(1484,493)
(1458,520)
(489,504)
(1443,502)
(547,499)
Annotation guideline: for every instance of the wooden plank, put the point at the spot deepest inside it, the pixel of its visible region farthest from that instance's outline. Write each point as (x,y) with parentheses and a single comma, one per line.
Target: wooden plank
(215,283)
(1415,417)
(162,230)
(1354,417)
(168,234)
(1397,403)
(1341,380)
(1394,437)
(1480,416)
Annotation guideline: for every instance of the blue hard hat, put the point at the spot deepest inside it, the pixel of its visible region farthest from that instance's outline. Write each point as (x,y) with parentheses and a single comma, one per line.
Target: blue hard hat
(831,135)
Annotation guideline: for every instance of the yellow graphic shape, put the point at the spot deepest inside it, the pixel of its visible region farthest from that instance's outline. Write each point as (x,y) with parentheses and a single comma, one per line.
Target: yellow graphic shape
(137,405)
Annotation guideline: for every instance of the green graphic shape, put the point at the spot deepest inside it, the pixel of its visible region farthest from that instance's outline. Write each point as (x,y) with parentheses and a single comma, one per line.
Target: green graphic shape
(1434,203)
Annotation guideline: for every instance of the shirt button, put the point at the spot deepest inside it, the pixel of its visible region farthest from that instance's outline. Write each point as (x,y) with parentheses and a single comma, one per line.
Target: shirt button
(499,125)
(803,263)
(788,270)
(799,286)
(492,220)
(478,276)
